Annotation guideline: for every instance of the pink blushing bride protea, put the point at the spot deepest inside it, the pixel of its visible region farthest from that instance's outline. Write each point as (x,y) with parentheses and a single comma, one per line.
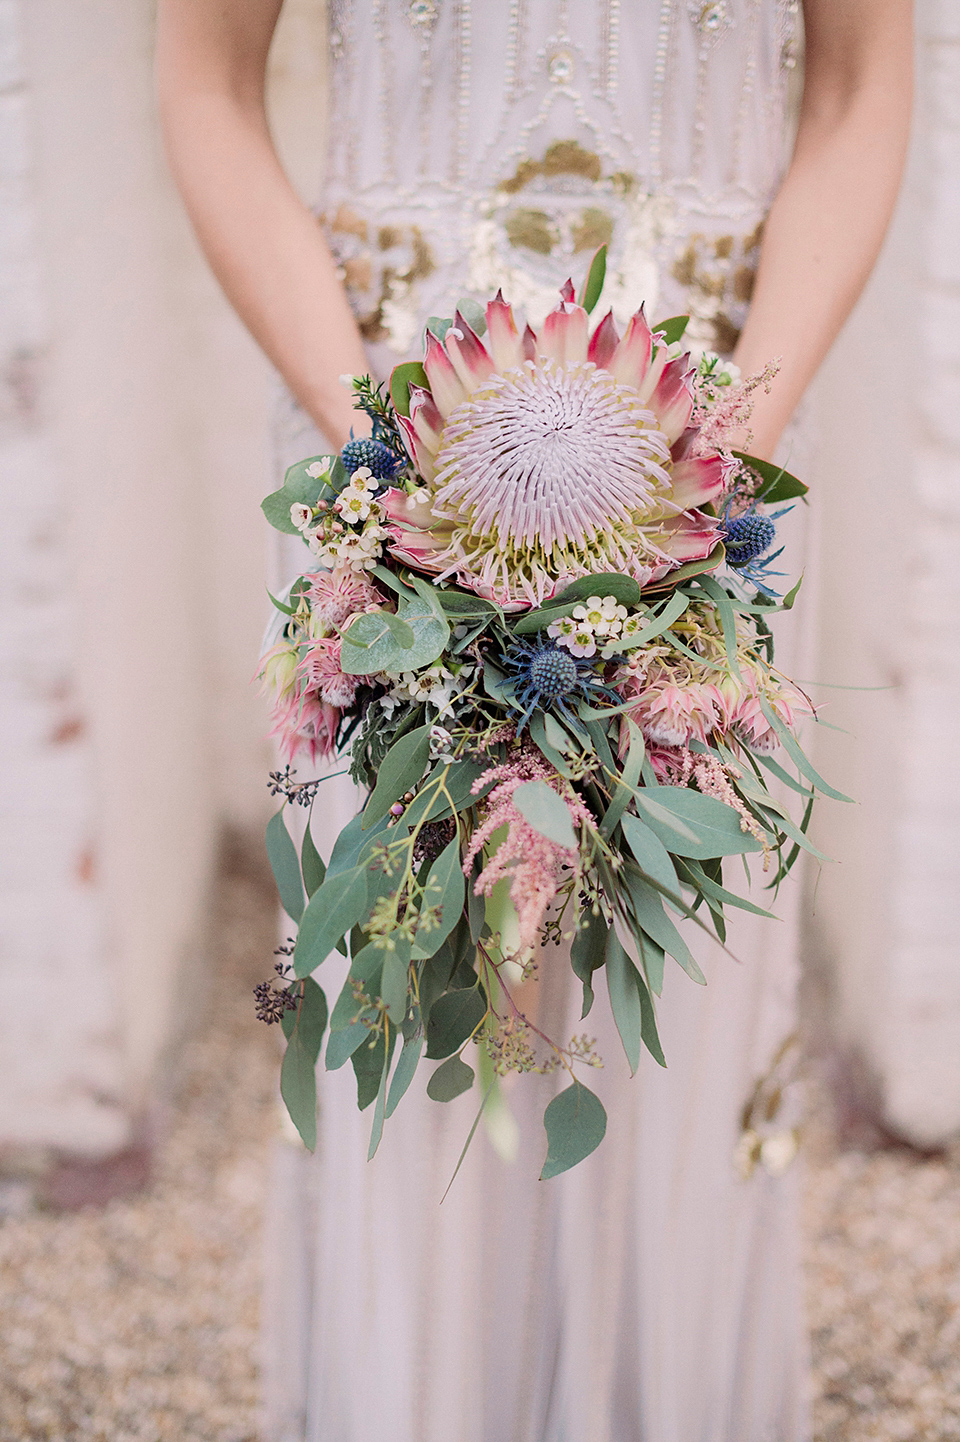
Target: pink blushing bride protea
(552,456)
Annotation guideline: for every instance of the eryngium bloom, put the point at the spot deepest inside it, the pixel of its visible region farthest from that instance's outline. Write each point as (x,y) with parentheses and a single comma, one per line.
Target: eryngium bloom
(549,457)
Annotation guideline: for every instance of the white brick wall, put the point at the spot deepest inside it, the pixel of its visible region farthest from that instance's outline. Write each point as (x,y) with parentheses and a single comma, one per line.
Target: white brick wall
(60,1073)
(889,915)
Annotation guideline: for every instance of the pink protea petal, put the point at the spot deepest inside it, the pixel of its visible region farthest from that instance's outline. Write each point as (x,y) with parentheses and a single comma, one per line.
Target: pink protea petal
(426,418)
(684,444)
(419,452)
(529,344)
(408,512)
(630,362)
(470,357)
(690,536)
(604,341)
(699,480)
(563,337)
(672,401)
(567,291)
(445,385)
(503,338)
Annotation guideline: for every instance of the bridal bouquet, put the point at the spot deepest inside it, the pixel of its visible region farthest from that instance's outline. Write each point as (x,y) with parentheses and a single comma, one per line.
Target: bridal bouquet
(534,616)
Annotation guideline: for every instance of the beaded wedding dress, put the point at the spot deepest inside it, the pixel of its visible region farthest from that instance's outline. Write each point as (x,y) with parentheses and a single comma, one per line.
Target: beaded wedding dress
(652,1293)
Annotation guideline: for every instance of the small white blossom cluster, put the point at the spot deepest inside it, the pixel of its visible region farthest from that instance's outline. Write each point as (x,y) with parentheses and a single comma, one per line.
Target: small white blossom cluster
(331,531)
(595,627)
(436,685)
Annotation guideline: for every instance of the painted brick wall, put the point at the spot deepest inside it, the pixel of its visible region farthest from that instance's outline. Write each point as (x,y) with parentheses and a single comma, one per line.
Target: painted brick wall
(889,915)
(60,1057)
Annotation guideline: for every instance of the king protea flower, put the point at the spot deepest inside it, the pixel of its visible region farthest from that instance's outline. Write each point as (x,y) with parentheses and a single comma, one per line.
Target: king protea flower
(552,456)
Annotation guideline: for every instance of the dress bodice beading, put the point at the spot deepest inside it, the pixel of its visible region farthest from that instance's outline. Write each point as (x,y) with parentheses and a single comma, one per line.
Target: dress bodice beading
(485,143)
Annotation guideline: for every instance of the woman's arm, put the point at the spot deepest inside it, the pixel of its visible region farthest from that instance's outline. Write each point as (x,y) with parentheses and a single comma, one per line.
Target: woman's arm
(264,245)
(827,223)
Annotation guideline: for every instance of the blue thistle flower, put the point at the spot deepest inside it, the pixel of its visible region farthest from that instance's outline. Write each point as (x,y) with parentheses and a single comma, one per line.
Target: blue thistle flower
(547,676)
(379,458)
(748,538)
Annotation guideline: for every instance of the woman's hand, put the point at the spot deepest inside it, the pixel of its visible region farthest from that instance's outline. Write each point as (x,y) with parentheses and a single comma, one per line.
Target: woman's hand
(264,245)
(826,226)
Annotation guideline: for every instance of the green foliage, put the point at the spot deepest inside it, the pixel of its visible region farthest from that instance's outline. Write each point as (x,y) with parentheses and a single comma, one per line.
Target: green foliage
(282,855)
(402,377)
(370,644)
(588,953)
(673,329)
(651,854)
(370,1062)
(454,1017)
(443,898)
(575,1123)
(332,910)
(776,484)
(690,824)
(539,804)
(400,771)
(451,1079)
(405,1069)
(593,285)
(622,978)
(311,863)
(297,486)
(304,1030)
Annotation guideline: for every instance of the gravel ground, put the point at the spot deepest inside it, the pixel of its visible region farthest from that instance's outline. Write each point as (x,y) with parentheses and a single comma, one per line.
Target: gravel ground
(137,1322)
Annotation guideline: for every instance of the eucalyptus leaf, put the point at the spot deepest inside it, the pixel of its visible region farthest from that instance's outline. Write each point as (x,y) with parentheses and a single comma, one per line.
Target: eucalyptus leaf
(651,917)
(794,750)
(474,314)
(400,771)
(627,782)
(311,863)
(624,995)
(402,377)
(690,824)
(332,910)
(575,1123)
(653,958)
(276,508)
(373,626)
(651,854)
(285,866)
(443,897)
(587,954)
(405,1069)
(369,1062)
(304,1030)
(539,804)
(438,326)
(454,1017)
(393,982)
(451,1079)
(342,1044)
(384,652)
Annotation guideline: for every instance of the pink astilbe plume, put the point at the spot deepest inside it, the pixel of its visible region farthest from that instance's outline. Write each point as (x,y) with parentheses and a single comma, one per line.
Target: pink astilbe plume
(532,863)
(727,421)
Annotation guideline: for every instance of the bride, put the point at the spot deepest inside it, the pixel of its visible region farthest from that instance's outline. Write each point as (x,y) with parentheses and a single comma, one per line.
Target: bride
(653,1292)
